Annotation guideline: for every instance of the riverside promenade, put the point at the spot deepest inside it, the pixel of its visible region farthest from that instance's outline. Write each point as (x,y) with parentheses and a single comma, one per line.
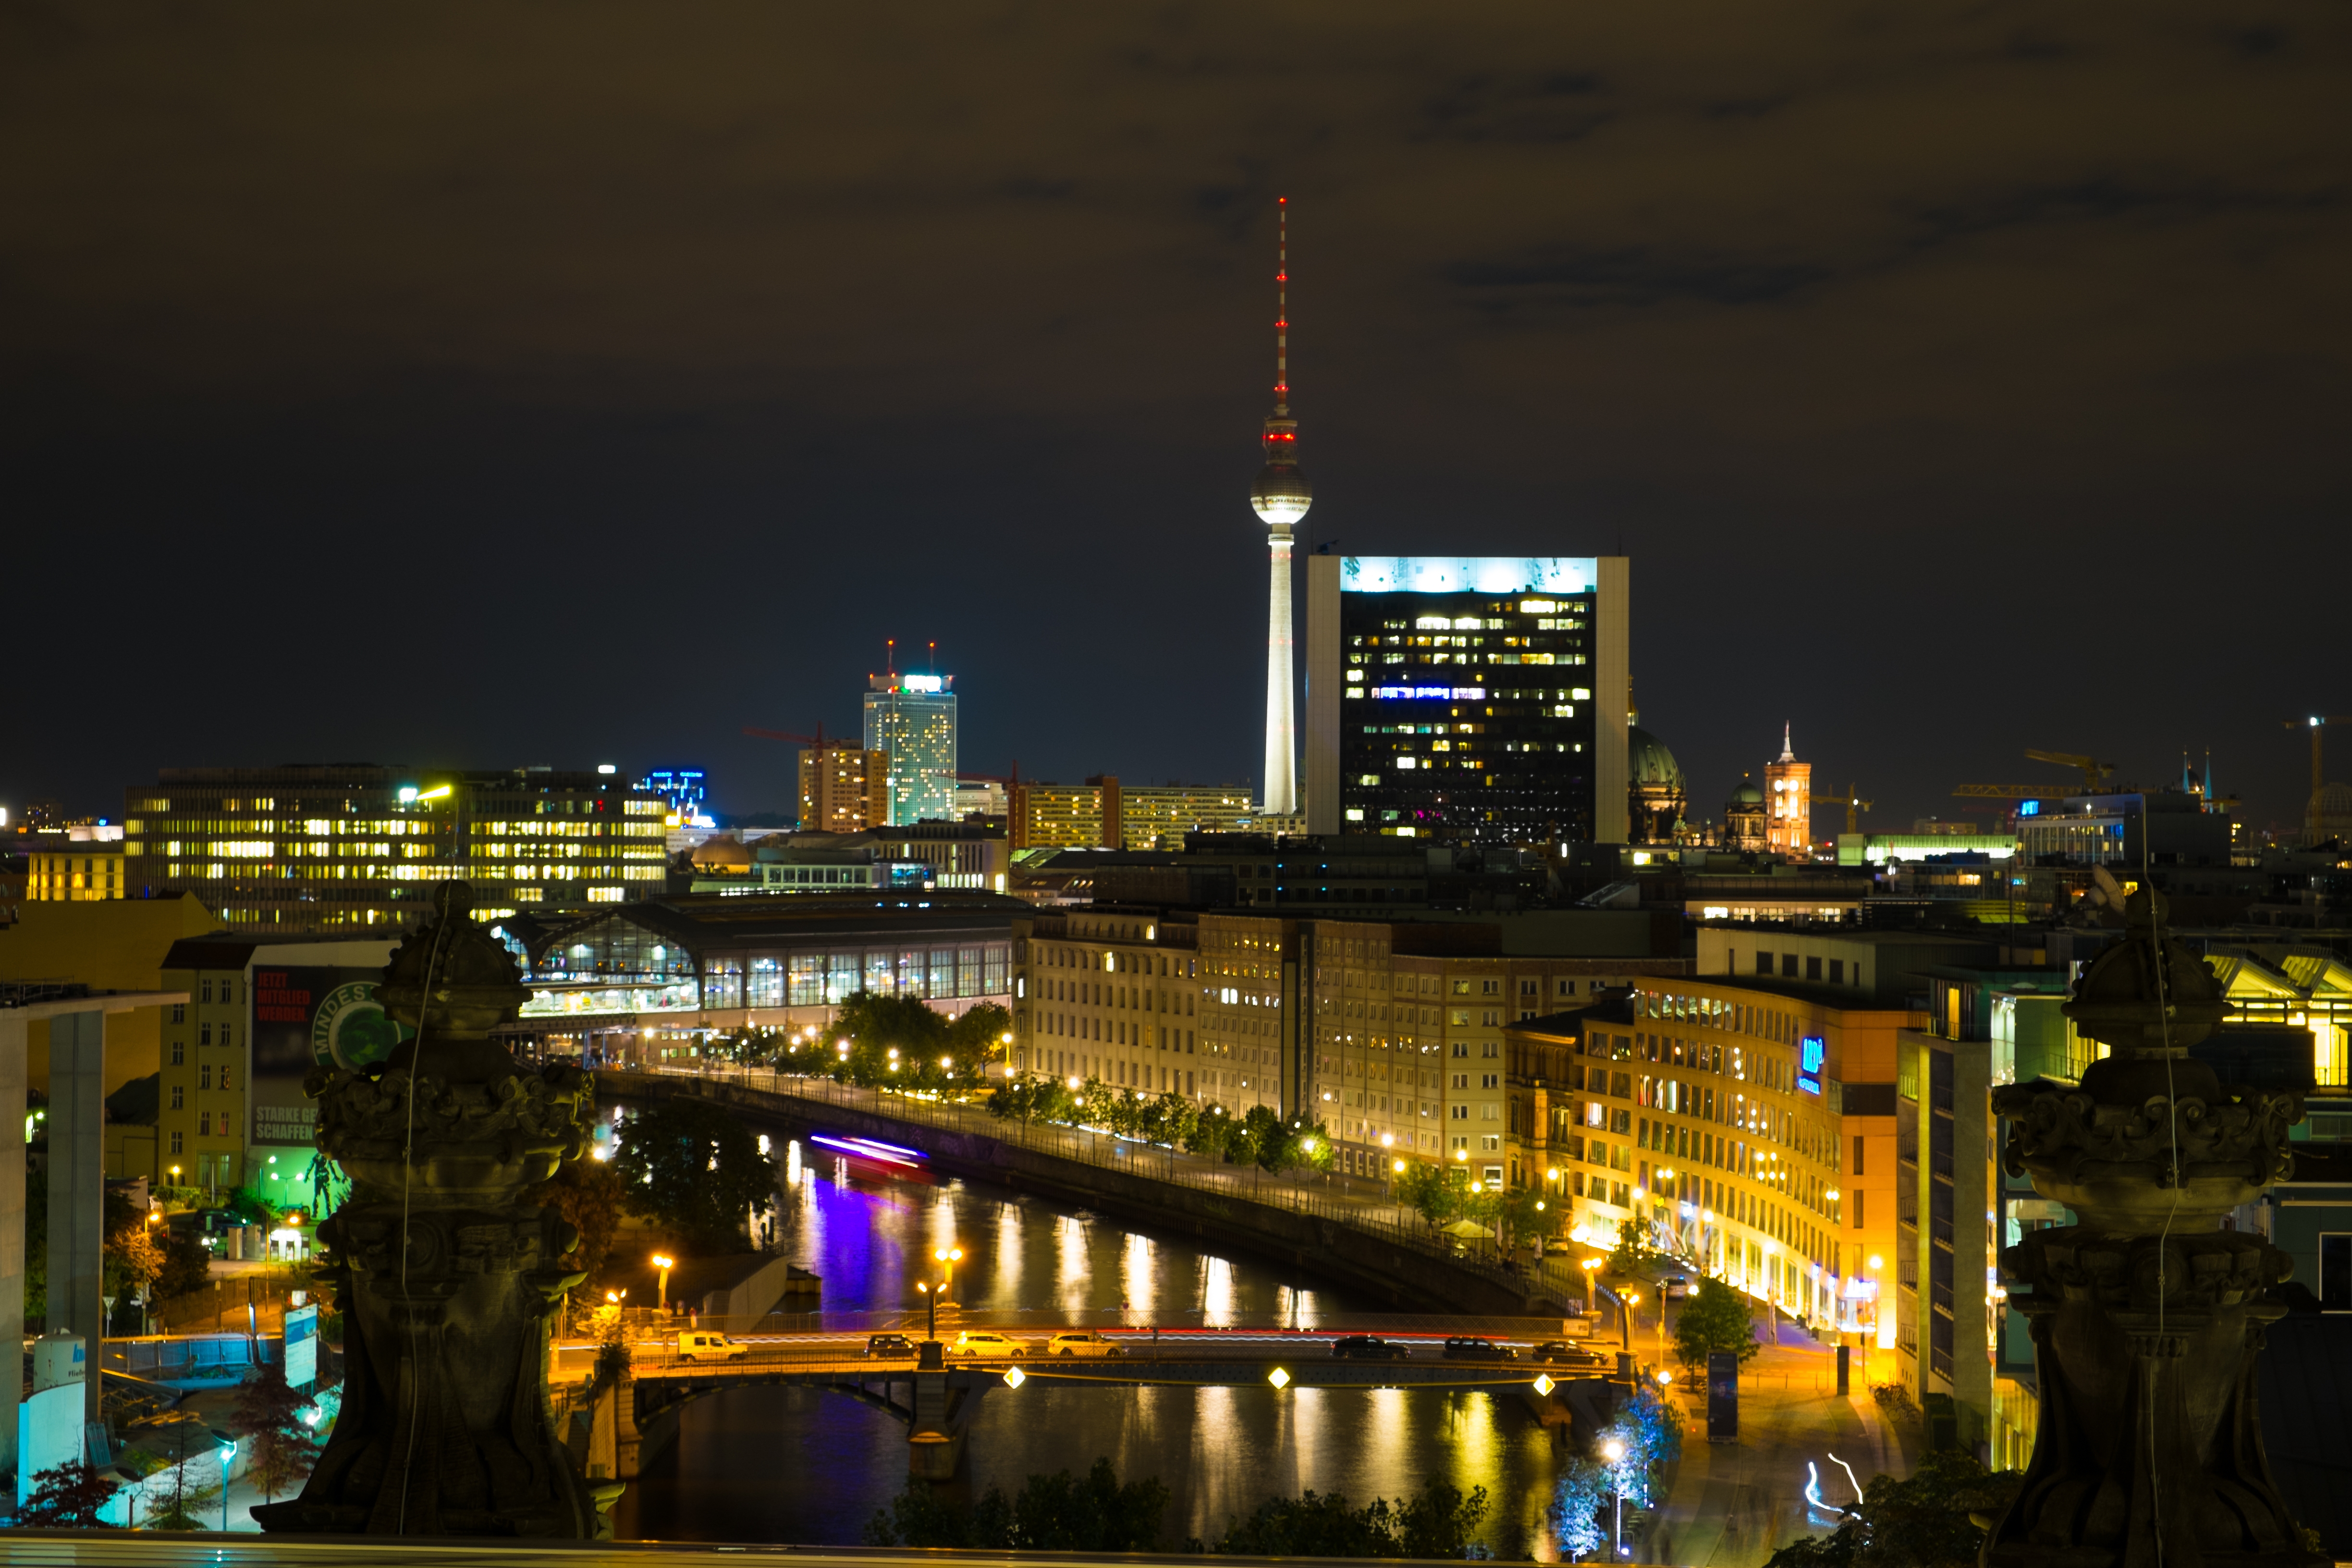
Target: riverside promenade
(1351,1231)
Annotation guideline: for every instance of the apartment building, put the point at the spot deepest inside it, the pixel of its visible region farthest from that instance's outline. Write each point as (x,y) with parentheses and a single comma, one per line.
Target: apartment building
(1391,1034)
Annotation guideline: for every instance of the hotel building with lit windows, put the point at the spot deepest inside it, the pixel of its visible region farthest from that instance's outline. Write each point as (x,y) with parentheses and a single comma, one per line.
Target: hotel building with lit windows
(1389,1034)
(1751,1122)
(336,846)
(913,718)
(1467,700)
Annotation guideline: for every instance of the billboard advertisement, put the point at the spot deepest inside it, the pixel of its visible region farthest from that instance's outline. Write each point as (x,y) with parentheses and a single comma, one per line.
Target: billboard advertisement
(308,1018)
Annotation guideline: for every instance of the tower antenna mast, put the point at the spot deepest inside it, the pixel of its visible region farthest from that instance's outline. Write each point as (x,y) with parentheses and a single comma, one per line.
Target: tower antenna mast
(1282,306)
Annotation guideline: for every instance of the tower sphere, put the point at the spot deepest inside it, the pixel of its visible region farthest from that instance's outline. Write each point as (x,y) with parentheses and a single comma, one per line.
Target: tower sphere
(1281,494)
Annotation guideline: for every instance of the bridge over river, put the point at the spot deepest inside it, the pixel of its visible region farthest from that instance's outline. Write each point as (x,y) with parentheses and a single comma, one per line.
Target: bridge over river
(935,1392)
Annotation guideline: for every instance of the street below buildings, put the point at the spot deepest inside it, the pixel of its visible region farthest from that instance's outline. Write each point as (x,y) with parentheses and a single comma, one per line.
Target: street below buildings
(1732,1505)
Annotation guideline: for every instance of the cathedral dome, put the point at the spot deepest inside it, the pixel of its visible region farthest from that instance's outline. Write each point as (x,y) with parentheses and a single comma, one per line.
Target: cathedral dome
(2328,814)
(1647,762)
(1747,795)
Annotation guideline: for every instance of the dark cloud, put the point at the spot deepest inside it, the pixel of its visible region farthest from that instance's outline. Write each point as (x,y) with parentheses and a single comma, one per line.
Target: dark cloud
(535,382)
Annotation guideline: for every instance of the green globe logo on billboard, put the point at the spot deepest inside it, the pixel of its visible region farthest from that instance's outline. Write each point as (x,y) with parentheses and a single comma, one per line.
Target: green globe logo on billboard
(352,1030)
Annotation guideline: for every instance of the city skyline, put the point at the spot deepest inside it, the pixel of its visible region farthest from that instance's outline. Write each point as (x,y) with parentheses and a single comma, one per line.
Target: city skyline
(1547,319)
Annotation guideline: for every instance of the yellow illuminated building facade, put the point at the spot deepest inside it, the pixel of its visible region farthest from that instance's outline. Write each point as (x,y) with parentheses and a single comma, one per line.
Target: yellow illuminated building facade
(1103,814)
(845,789)
(2301,988)
(323,848)
(76,874)
(1751,1124)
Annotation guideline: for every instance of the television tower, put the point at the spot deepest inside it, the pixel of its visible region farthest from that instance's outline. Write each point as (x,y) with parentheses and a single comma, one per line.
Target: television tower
(1281,496)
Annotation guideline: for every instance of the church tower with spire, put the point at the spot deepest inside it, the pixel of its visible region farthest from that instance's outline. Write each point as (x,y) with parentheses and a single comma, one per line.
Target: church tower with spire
(1789,804)
(1281,496)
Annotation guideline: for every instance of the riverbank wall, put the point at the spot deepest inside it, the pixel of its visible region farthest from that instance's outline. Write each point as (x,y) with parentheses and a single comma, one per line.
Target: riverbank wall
(1379,1267)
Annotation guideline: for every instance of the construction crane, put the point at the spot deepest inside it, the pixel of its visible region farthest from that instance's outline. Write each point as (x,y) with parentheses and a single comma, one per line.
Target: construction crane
(2318,725)
(1854,805)
(2093,771)
(816,741)
(2006,792)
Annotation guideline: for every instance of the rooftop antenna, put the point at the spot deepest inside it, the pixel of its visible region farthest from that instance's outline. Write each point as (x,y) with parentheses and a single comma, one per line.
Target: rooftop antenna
(935,657)
(890,654)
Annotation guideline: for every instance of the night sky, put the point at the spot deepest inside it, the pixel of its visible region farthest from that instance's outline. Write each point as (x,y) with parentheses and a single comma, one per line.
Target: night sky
(493,385)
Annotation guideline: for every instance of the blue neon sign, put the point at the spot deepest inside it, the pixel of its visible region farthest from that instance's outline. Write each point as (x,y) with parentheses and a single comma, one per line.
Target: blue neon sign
(1811,1053)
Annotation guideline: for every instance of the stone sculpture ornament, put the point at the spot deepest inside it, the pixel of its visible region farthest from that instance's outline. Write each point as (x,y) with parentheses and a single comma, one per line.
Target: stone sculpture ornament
(446,1275)
(2146,1316)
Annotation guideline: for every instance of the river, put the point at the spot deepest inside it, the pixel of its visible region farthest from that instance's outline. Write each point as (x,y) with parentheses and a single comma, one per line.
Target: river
(802,1466)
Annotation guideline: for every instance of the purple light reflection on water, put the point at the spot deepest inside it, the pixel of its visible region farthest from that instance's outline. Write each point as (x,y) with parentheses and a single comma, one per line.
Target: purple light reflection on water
(793,1465)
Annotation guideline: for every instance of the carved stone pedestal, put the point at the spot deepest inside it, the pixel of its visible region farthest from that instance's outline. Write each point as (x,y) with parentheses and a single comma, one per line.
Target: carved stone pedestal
(445,1276)
(2146,1317)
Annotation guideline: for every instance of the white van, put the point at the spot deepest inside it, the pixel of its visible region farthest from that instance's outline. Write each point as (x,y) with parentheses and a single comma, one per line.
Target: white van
(700,1344)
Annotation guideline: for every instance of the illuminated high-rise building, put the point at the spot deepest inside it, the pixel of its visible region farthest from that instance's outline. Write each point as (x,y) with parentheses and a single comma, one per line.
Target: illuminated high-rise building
(1471,699)
(1281,496)
(913,718)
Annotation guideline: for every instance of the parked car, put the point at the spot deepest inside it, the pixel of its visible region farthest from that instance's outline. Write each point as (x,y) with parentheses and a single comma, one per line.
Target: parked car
(1559,1352)
(888,1346)
(703,1345)
(1082,1342)
(980,1342)
(1365,1347)
(1468,1347)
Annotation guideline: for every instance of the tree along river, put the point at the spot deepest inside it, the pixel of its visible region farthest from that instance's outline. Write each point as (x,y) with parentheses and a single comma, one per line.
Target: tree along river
(804,1466)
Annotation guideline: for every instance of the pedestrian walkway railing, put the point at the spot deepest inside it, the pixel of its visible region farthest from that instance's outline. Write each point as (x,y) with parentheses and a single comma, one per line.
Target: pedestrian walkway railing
(1337,1200)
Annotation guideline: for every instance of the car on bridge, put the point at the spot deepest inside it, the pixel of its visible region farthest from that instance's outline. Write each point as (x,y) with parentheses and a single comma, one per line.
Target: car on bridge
(1559,1352)
(1470,1347)
(885,1347)
(1366,1347)
(1082,1342)
(977,1342)
(705,1346)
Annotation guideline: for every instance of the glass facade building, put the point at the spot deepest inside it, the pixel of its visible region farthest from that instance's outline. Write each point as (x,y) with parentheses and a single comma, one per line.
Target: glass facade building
(1467,700)
(913,718)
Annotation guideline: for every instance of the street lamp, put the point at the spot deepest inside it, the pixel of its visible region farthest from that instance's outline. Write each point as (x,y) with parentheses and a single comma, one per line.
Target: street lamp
(1629,1299)
(950,1256)
(228,1455)
(1591,1300)
(665,1264)
(1614,1451)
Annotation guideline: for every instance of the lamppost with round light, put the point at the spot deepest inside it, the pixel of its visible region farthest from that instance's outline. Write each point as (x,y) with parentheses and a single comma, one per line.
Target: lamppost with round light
(663,1262)
(950,1256)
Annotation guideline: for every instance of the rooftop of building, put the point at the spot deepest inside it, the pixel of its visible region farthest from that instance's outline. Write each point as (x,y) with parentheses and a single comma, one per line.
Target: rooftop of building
(1840,998)
(371,775)
(696,920)
(230,950)
(1570,1022)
